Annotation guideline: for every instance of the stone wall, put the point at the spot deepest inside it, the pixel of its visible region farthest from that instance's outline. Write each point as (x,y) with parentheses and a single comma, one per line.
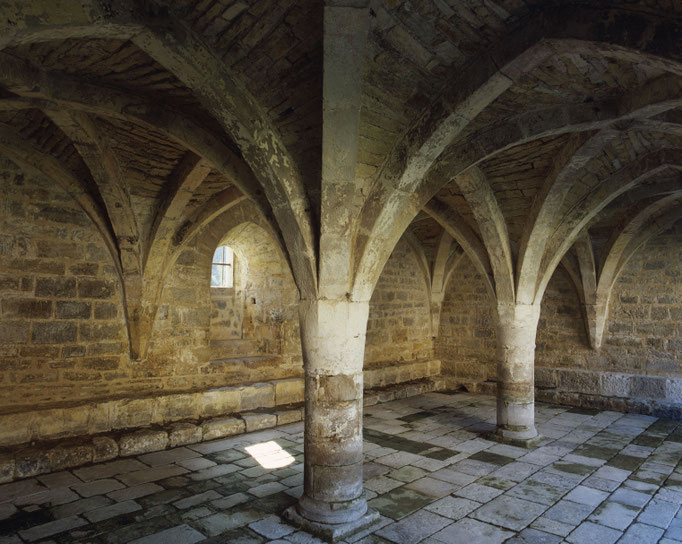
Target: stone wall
(467,337)
(639,366)
(399,327)
(62,331)
(228,337)
(64,352)
(227,309)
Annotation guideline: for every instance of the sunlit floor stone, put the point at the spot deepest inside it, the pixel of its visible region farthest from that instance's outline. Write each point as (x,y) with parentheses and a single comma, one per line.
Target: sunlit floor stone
(430,474)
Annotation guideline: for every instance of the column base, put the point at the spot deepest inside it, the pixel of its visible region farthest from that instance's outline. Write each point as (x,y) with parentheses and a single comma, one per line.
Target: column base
(331,532)
(522,439)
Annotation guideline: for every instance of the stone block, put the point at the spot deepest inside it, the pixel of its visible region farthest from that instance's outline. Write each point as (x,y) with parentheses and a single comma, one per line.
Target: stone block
(56,287)
(105,310)
(217,428)
(104,448)
(175,407)
(72,351)
(72,310)
(128,413)
(370,398)
(648,387)
(54,333)
(433,367)
(615,385)
(143,441)
(386,395)
(49,423)
(14,332)
(7,464)
(31,463)
(582,382)
(289,391)
(257,395)
(67,456)
(257,421)
(180,434)
(99,417)
(673,389)
(106,331)
(95,288)
(288,416)
(225,400)
(16,428)
(545,378)
(29,308)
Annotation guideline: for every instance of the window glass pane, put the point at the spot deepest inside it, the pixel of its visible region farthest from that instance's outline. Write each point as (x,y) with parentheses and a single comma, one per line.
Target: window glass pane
(216,276)
(222,274)
(218,255)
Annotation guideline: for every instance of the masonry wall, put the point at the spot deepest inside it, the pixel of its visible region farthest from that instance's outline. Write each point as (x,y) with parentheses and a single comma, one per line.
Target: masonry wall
(62,332)
(467,337)
(399,326)
(228,337)
(639,365)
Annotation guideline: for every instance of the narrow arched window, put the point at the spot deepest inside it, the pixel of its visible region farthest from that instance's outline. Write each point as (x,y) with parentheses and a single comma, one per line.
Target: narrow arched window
(222,271)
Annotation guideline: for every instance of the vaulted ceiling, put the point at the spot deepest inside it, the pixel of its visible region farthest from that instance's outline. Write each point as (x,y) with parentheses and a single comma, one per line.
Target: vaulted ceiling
(528,131)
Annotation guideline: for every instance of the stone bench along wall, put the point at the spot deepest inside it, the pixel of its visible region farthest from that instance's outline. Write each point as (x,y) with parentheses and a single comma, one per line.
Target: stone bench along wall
(128,413)
(238,410)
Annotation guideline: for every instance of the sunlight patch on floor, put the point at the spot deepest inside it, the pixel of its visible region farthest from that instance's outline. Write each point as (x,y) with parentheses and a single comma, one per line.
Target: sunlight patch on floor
(270,455)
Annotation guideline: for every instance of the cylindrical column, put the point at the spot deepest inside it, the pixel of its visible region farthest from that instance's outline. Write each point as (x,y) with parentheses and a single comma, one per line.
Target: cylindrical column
(516,332)
(333,340)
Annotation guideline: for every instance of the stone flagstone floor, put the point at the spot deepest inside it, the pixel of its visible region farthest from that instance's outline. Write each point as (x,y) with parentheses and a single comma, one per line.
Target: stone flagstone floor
(598,476)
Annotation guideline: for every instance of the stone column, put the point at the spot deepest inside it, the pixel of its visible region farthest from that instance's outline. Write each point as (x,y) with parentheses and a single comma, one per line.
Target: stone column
(516,332)
(333,341)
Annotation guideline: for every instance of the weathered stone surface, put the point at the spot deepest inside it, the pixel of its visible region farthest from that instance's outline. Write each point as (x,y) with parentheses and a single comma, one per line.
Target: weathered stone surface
(31,463)
(180,434)
(257,421)
(142,441)
(6,468)
(288,391)
(217,428)
(67,456)
(285,417)
(104,449)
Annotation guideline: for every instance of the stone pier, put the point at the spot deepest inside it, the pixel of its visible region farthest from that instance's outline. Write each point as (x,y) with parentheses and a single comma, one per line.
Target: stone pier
(516,332)
(333,340)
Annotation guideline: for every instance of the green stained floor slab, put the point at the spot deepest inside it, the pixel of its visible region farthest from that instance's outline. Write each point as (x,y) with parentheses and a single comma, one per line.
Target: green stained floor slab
(649,440)
(626,462)
(407,474)
(596,452)
(400,502)
(493,458)
(583,411)
(418,416)
(497,483)
(573,468)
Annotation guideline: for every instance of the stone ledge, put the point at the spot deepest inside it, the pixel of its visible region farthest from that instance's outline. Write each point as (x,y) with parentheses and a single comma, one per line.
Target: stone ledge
(134,413)
(584,388)
(391,373)
(24,461)
(403,390)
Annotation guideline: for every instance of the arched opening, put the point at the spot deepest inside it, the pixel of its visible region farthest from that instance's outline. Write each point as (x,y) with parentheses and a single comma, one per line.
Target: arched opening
(253,311)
